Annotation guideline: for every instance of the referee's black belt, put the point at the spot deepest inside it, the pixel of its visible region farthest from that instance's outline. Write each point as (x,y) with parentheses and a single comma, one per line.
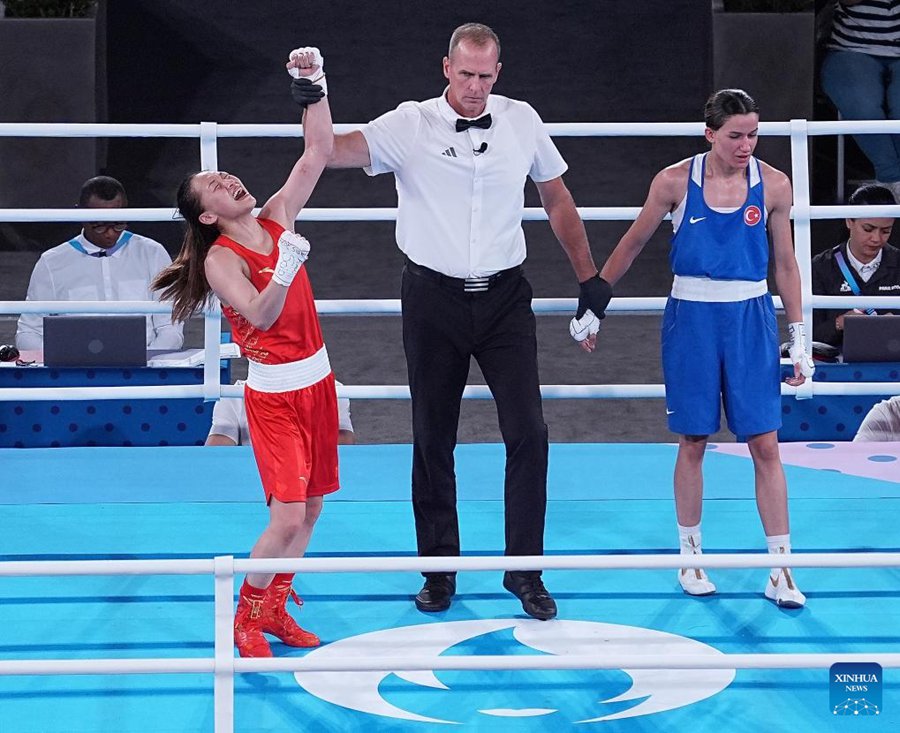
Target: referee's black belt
(465,284)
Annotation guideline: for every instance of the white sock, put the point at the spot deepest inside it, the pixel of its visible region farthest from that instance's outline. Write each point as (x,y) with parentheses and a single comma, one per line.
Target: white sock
(689,540)
(778,544)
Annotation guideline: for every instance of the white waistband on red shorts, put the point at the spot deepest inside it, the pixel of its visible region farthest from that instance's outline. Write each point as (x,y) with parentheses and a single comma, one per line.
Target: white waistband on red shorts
(290,376)
(707,290)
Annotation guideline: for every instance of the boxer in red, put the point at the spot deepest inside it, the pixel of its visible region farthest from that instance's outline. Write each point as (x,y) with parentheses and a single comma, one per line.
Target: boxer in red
(254,265)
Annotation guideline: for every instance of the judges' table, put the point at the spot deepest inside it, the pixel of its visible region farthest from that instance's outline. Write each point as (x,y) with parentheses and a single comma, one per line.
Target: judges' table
(143,422)
(829,417)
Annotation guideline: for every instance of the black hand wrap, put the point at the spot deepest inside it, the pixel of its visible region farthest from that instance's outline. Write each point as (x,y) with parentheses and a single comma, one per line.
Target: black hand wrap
(305,92)
(594,293)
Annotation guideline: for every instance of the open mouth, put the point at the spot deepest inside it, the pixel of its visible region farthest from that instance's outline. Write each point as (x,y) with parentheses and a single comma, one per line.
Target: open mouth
(239,193)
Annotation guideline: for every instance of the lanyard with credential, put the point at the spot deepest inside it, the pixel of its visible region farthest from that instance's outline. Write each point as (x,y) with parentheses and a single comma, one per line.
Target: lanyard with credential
(850,280)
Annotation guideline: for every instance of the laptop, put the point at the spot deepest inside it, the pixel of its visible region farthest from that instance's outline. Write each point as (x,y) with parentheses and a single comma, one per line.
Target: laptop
(95,341)
(871,338)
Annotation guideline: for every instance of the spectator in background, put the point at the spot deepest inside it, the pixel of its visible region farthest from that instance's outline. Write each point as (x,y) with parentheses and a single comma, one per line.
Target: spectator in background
(861,75)
(229,422)
(104,262)
(882,424)
(863,265)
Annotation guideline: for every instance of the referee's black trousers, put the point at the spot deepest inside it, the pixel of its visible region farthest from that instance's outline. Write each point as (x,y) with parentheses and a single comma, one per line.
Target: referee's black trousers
(443,327)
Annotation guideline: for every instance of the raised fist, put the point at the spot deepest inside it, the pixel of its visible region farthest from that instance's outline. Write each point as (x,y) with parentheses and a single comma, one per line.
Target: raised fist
(308,63)
(293,250)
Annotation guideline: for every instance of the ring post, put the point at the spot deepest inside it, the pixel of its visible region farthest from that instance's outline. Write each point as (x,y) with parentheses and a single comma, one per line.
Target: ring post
(802,232)
(223,688)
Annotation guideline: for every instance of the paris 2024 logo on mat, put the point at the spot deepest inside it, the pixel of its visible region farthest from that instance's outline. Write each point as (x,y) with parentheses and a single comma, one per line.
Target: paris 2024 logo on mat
(576,696)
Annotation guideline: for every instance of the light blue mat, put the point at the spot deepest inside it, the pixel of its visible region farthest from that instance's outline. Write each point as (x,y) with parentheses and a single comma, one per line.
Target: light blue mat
(172,616)
(382,473)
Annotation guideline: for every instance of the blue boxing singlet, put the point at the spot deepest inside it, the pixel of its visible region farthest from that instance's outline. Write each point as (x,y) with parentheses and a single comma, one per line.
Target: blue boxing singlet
(710,244)
(719,331)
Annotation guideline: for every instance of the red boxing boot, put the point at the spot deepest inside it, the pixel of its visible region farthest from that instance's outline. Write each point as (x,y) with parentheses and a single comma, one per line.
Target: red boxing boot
(277,621)
(248,632)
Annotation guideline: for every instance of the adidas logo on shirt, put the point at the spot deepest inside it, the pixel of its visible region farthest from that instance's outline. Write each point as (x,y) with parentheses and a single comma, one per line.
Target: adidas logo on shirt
(450,153)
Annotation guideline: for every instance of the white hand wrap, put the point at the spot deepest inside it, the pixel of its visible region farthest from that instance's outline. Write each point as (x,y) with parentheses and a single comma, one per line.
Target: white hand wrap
(318,76)
(797,349)
(587,325)
(292,253)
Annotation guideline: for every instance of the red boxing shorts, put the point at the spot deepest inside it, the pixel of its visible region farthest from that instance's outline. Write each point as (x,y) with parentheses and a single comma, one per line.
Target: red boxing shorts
(294,437)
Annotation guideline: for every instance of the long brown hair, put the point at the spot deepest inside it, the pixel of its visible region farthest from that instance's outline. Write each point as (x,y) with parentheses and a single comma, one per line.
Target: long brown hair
(184,281)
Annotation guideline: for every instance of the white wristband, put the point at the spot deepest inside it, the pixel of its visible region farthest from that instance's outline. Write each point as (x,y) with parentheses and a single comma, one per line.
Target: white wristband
(293,251)
(797,349)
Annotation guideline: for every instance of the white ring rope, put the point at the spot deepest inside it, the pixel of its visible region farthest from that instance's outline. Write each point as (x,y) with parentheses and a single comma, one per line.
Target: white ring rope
(556,129)
(351,214)
(391,306)
(598,660)
(401,392)
(385,564)
(224,665)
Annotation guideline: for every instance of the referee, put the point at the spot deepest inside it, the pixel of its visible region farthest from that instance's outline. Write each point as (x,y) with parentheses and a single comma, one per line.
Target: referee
(460,162)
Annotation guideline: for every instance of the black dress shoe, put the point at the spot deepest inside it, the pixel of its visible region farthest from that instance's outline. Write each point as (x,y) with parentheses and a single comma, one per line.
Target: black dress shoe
(436,594)
(536,600)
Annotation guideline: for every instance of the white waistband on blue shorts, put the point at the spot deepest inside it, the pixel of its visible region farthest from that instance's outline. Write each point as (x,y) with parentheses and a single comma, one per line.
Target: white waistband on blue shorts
(290,376)
(707,290)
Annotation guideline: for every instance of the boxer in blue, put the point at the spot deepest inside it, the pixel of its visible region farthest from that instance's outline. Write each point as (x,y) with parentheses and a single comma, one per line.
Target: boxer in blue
(719,332)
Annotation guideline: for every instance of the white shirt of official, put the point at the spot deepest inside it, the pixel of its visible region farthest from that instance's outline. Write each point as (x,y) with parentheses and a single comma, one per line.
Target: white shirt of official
(65,273)
(864,270)
(460,210)
(229,417)
(882,424)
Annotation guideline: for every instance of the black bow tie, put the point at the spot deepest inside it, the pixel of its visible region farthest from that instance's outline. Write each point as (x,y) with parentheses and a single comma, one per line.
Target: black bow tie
(99,253)
(483,122)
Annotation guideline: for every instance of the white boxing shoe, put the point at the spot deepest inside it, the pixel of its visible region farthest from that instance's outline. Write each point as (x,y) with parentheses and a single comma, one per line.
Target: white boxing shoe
(695,582)
(783,591)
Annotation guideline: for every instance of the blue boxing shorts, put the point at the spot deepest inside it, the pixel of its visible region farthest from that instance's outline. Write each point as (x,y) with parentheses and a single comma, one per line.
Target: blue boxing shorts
(721,354)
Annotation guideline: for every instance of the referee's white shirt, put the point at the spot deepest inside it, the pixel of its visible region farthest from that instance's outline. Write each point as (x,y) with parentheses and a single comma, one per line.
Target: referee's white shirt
(460,211)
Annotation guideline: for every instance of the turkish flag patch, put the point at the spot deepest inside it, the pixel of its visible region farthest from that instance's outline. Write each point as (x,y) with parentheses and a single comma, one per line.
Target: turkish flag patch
(752,216)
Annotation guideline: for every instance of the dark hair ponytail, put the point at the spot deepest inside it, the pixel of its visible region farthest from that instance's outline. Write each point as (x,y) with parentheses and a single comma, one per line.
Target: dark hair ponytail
(872,194)
(727,103)
(184,281)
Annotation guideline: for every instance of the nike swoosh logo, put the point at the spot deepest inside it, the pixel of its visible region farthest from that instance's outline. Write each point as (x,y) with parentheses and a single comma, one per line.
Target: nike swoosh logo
(670,412)
(265,270)
(694,220)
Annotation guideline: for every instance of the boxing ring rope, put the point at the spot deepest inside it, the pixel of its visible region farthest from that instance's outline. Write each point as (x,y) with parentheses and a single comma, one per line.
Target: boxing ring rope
(191,665)
(224,665)
(381,564)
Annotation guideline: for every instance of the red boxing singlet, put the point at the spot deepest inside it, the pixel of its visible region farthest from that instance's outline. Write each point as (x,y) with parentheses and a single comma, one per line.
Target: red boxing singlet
(296,333)
(294,431)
